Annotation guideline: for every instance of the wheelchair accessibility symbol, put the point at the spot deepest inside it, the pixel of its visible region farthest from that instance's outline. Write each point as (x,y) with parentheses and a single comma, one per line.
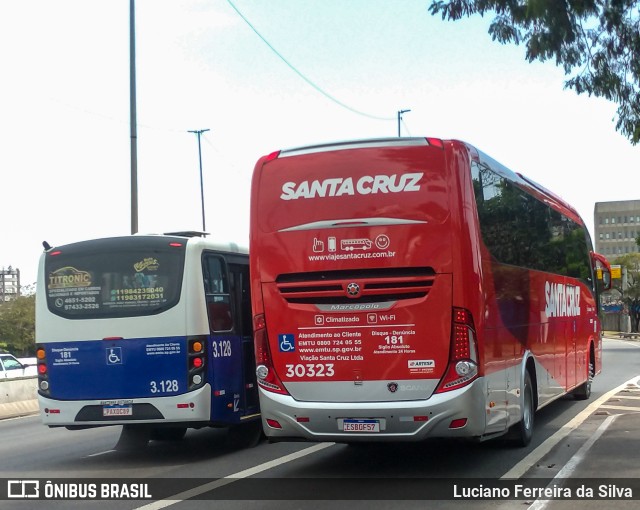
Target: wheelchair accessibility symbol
(114,355)
(287,342)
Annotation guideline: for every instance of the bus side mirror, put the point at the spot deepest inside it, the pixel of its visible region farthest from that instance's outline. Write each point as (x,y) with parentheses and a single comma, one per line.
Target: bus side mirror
(606,279)
(603,270)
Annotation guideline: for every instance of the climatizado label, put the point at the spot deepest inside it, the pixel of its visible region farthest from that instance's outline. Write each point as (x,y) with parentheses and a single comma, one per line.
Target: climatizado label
(339,186)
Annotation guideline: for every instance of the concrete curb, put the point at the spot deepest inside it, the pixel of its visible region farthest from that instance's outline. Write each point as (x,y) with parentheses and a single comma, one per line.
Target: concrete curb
(617,336)
(16,409)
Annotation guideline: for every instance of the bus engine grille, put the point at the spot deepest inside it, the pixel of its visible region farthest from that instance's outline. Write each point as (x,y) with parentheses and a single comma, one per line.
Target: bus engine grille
(375,285)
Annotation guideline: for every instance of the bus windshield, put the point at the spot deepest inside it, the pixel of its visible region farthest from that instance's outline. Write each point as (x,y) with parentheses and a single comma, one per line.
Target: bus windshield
(113,278)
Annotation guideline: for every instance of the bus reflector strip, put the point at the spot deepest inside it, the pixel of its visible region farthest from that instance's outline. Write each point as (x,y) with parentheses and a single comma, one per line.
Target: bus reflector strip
(303,419)
(219,393)
(458,423)
(182,406)
(273,424)
(414,418)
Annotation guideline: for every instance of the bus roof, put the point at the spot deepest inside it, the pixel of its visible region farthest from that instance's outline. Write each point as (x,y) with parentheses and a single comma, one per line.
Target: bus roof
(526,183)
(207,243)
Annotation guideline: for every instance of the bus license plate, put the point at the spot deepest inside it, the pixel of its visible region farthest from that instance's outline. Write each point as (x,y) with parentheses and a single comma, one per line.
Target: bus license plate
(361,425)
(117,411)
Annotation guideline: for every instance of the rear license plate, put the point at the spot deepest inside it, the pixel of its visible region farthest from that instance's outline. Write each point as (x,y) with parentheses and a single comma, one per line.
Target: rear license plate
(117,411)
(361,425)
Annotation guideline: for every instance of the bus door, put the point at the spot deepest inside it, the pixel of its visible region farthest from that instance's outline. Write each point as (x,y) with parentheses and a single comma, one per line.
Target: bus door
(241,295)
(226,369)
(571,337)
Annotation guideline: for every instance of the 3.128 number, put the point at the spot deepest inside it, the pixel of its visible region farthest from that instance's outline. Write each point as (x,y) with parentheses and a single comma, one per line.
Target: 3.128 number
(221,348)
(310,370)
(168,386)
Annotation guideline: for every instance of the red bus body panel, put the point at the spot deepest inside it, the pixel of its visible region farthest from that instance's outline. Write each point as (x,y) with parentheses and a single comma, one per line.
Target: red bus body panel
(361,251)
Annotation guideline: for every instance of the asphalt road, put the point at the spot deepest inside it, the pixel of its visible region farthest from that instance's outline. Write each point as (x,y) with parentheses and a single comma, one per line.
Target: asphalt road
(577,445)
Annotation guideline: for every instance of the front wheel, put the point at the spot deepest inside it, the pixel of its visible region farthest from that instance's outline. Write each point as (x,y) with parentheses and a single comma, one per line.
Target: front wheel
(522,432)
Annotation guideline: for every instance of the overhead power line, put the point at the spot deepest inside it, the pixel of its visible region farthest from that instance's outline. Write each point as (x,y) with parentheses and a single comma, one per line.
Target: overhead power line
(292,67)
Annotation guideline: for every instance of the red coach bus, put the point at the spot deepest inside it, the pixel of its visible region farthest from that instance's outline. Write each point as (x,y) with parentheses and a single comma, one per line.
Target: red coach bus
(414,287)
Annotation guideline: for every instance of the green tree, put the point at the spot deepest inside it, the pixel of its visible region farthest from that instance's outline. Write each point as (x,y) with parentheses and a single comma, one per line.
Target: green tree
(597,42)
(631,294)
(17,325)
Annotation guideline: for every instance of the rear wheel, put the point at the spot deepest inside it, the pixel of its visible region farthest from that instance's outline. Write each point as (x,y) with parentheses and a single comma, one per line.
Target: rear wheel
(583,392)
(168,433)
(133,437)
(245,435)
(522,432)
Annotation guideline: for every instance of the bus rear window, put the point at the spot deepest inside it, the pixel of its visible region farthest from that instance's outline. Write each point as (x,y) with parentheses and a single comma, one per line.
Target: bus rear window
(111,278)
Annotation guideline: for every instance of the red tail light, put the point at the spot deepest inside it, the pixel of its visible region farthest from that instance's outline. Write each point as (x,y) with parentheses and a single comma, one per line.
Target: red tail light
(436,142)
(463,359)
(267,377)
(272,156)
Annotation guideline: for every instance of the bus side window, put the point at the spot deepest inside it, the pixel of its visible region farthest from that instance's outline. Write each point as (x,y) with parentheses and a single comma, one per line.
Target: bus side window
(241,293)
(217,293)
(219,314)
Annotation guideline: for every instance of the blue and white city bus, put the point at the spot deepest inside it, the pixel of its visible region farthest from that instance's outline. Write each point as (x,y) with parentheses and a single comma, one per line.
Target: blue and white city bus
(152,332)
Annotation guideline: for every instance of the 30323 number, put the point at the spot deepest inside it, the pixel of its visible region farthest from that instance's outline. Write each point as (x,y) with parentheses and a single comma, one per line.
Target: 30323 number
(310,370)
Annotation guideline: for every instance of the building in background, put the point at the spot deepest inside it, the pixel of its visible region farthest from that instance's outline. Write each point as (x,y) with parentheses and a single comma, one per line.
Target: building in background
(617,225)
(9,284)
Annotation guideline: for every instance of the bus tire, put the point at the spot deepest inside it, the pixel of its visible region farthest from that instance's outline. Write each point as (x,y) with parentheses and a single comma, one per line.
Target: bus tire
(133,437)
(168,433)
(583,392)
(522,432)
(245,435)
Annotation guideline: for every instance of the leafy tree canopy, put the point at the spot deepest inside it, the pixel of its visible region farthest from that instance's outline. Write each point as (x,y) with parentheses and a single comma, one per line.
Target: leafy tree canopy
(629,260)
(17,325)
(631,295)
(597,42)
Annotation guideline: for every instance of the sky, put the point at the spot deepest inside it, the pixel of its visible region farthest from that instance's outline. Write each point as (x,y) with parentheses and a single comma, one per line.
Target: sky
(329,70)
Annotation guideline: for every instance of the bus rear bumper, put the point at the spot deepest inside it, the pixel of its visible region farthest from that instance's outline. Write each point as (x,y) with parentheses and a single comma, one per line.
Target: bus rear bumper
(442,415)
(189,407)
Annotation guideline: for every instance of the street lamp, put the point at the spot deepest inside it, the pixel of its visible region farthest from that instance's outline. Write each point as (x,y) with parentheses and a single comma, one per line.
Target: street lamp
(132,111)
(400,112)
(199,132)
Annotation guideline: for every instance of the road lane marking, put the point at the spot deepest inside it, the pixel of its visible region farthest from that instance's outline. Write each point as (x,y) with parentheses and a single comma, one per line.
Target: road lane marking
(570,467)
(621,408)
(202,489)
(101,453)
(516,472)
(530,460)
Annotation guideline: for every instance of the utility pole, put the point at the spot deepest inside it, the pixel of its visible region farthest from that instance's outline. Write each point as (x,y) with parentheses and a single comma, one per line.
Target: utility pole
(400,112)
(132,105)
(199,132)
